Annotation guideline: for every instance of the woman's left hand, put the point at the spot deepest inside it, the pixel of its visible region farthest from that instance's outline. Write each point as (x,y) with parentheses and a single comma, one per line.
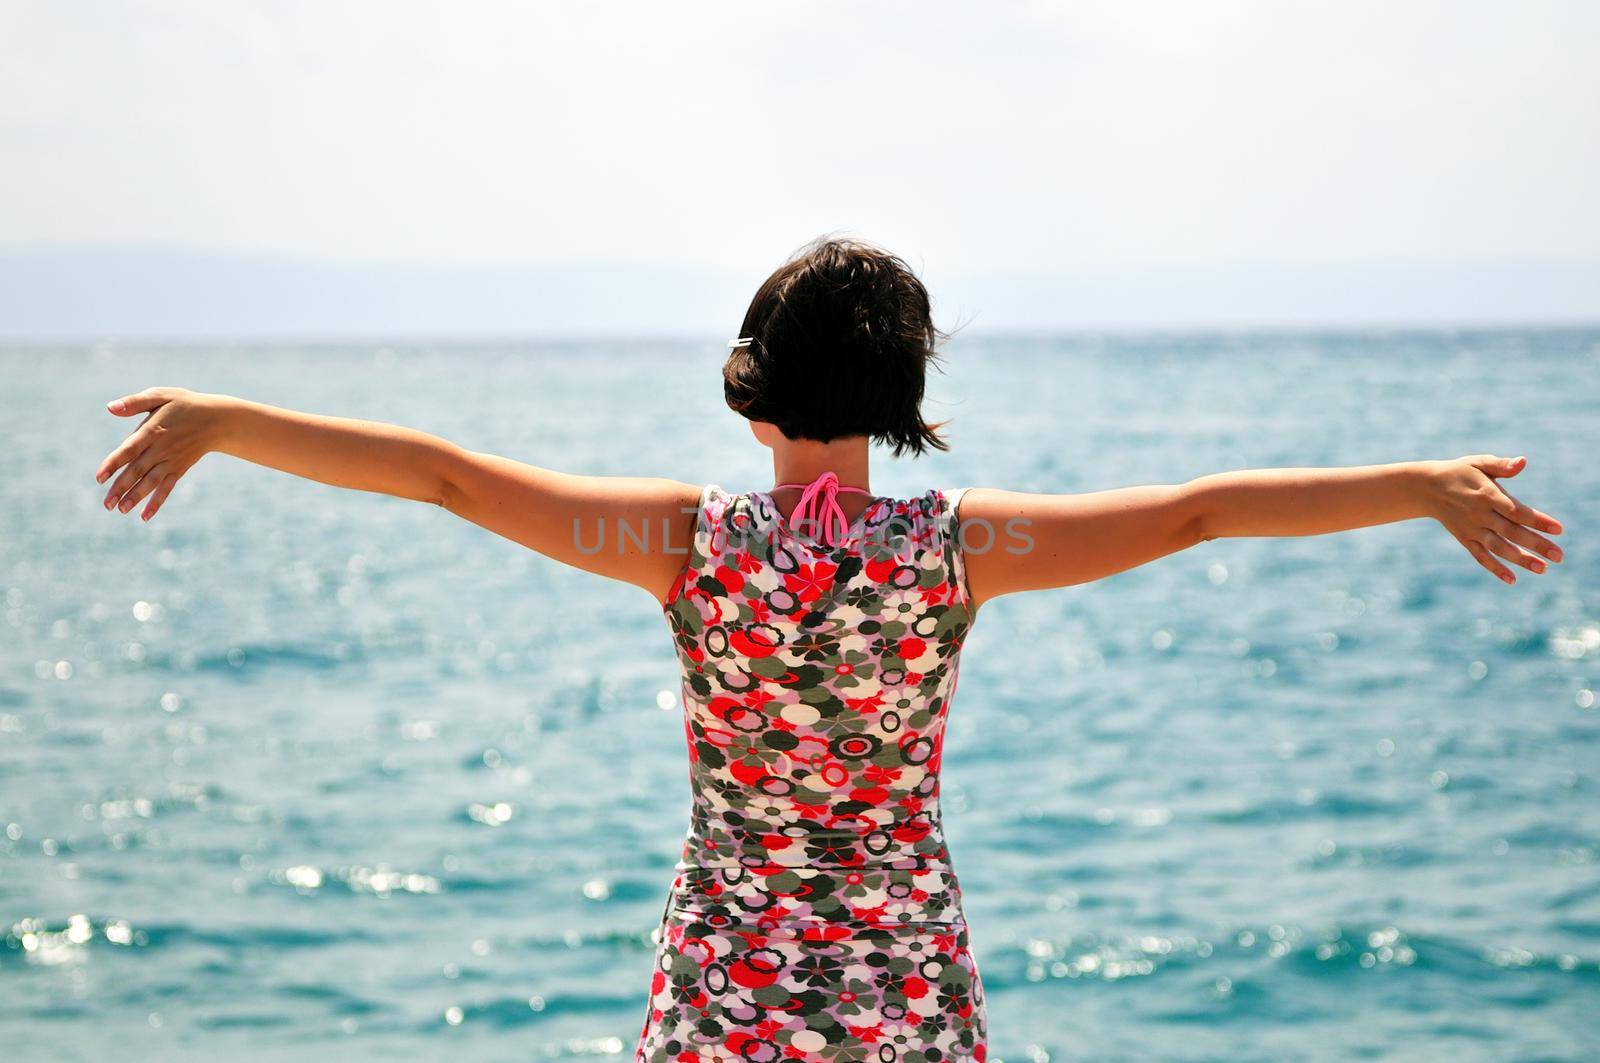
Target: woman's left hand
(1465,496)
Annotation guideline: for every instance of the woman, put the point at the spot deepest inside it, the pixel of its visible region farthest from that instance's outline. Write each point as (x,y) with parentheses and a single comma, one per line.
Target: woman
(815,911)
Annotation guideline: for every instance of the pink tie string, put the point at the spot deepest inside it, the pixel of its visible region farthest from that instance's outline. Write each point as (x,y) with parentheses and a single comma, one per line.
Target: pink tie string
(819,507)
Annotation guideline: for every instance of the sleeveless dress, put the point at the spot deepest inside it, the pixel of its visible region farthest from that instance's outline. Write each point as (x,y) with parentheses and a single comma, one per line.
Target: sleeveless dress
(815,914)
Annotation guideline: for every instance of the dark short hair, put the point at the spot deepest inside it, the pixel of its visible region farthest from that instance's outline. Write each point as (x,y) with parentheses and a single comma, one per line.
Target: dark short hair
(841,336)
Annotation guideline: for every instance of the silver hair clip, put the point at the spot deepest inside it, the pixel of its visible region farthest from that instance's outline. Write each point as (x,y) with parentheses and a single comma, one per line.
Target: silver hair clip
(742,341)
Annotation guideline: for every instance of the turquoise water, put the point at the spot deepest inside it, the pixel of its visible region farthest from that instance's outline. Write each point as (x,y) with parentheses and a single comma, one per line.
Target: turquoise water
(295,772)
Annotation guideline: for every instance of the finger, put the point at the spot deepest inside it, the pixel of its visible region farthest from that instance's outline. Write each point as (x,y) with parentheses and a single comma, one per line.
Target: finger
(147,483)
(168,482)
(128,477)
(1487,560)
(1515,510)
(125,453)
(139,402)
(1501,547)
(1494,465)
(1522,536)
(108,465)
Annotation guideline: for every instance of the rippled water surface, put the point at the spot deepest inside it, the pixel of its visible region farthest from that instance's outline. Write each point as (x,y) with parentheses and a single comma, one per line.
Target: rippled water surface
(296,772)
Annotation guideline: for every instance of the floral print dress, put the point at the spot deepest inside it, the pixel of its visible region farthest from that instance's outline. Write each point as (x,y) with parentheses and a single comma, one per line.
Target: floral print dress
(815,914)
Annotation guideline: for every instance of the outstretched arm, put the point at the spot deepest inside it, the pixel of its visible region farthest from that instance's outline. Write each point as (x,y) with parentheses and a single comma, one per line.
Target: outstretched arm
(1016,542)
(579,520)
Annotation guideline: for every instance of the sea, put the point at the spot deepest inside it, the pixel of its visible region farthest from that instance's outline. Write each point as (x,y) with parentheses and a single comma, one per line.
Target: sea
(293,772)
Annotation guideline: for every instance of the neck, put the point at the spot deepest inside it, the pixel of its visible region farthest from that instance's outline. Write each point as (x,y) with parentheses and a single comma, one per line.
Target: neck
(799,461)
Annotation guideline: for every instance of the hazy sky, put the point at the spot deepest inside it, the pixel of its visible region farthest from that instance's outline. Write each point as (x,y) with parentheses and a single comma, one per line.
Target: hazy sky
(975,137)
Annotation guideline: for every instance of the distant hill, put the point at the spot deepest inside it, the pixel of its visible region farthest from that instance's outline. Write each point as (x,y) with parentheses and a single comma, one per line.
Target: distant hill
(97,293)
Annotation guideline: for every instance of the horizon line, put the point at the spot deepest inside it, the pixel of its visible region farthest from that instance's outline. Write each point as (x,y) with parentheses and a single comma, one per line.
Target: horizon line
(1418,326)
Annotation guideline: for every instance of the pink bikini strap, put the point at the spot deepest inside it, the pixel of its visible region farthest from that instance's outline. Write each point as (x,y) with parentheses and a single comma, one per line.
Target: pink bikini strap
(819,506)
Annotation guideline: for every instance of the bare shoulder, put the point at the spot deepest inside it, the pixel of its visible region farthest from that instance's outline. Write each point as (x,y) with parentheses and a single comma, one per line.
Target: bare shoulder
(488,479)
(629,528)
(661,493)
(1016,541)
(993,503)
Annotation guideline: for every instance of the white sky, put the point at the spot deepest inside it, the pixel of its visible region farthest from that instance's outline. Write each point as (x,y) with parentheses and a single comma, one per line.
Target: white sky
(1000,136)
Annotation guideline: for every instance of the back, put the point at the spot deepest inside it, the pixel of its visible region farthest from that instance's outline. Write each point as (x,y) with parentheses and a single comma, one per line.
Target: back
(816,682)
(815,884)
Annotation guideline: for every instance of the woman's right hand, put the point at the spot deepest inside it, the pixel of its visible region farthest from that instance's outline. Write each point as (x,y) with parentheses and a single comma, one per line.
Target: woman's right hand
(181,428)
